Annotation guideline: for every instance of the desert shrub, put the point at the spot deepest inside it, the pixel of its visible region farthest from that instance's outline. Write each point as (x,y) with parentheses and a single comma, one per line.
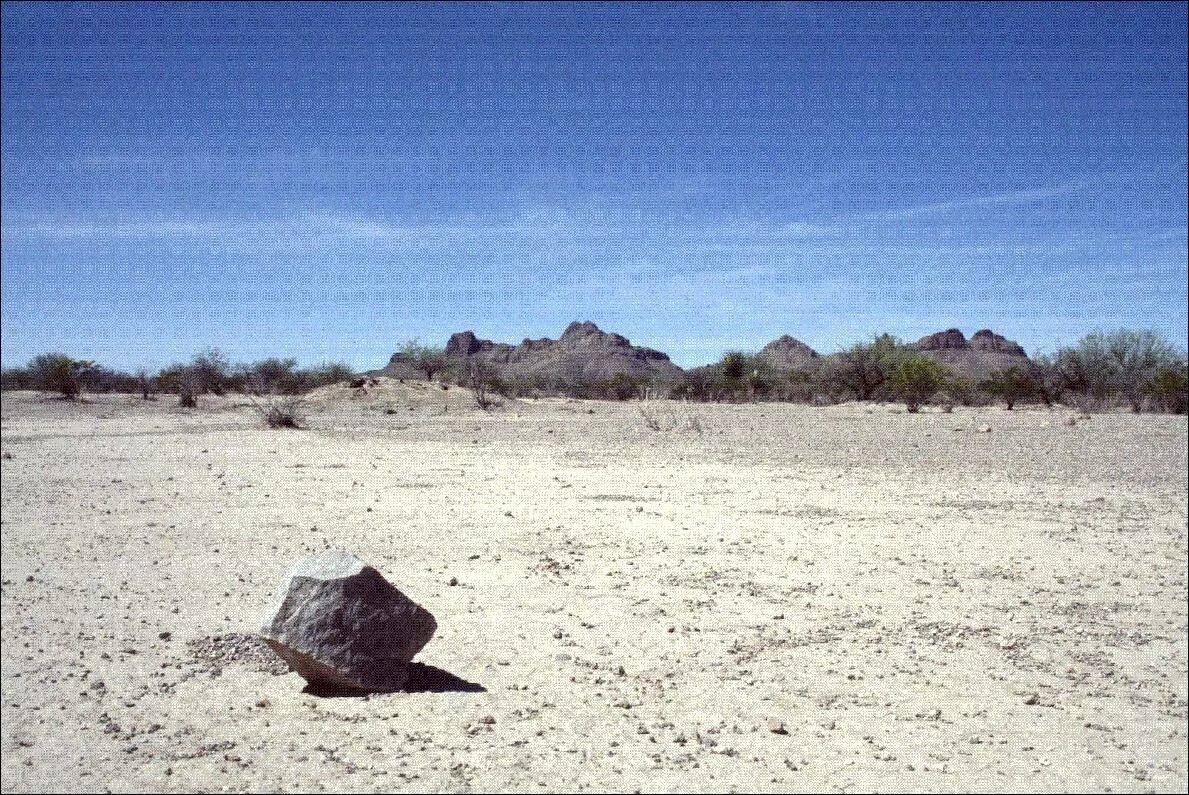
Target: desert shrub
(268,376)
(428,359)
(181,380)
(915,379)
(169,378)
(761,380)
(189,386)
(1168,389)
(801,385)
(863,369)
(1010,385)
(739,376)
(324,375)
(695,384)
(964,392)
(1121,363)
(146,384)
(212,371)
(659,415)
(1048,381)
(16,378)
(57,372)
(621,386)
(98,378)
(732,367)
(513,387)
(477,376)
(281,411)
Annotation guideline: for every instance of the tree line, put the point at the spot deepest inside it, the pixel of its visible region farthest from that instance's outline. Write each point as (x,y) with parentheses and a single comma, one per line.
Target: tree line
(209,372)
(1137,369)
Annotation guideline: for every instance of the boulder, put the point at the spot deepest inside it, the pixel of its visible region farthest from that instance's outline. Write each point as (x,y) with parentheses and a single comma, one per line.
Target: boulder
(338,623)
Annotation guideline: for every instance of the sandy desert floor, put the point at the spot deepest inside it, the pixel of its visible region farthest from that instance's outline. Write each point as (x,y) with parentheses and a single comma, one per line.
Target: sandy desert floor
(920,604)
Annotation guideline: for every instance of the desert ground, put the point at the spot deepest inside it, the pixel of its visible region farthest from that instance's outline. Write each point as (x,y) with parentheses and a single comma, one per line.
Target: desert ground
(755,597)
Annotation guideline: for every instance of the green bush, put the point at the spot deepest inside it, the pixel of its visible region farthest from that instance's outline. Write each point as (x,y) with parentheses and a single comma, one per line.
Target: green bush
(621,386)
(863,369)
(1118,364)
(428,359)
(57,372)
(964,392)
(915,379)
(1169,389)
(1011,385)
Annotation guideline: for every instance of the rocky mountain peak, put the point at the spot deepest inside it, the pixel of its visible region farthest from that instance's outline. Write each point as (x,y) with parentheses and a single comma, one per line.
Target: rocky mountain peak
(950,339)
(987,340)
(787,353)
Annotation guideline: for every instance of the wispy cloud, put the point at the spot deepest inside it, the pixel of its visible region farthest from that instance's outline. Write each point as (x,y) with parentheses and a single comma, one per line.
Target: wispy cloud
(536,223)
(1009,199)
(590,225)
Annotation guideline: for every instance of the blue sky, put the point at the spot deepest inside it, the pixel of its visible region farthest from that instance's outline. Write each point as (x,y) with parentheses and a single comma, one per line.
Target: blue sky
(326,181)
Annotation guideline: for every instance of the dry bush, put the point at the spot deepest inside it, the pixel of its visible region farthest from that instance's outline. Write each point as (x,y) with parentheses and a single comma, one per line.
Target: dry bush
(661,415)
(281,411)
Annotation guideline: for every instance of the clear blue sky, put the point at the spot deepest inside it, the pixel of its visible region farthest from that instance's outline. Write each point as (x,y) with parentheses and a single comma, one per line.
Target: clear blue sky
(326,181)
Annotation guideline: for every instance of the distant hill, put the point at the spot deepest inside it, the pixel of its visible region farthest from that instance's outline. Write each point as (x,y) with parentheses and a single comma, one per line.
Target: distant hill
(586,354)
(787,353)
(583,353)
(984,353)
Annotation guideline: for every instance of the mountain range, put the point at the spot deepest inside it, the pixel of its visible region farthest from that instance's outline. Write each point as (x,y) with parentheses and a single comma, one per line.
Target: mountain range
(584,352)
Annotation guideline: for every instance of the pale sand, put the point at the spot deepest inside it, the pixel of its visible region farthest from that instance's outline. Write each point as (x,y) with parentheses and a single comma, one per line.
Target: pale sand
(893,588)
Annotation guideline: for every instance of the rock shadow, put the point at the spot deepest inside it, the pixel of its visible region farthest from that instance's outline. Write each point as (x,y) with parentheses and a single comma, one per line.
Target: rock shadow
(422,679)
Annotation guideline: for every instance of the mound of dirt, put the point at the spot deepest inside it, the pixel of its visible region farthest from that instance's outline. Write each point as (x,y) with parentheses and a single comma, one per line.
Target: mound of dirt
(395,395)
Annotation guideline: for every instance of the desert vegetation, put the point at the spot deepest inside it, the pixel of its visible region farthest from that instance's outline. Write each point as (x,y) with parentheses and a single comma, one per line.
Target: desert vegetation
(1137,369)
(208,372)
(281,411)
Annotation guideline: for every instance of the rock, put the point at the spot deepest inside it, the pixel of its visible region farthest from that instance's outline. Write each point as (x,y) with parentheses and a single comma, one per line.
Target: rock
(777,726)
(950,339)
(987,340)
(984,429)
(1033,699)
(338,623)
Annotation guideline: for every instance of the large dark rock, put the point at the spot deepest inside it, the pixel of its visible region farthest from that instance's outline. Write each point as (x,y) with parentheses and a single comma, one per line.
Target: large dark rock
(987,340)
(340,624)
(950,339)
(464,343)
